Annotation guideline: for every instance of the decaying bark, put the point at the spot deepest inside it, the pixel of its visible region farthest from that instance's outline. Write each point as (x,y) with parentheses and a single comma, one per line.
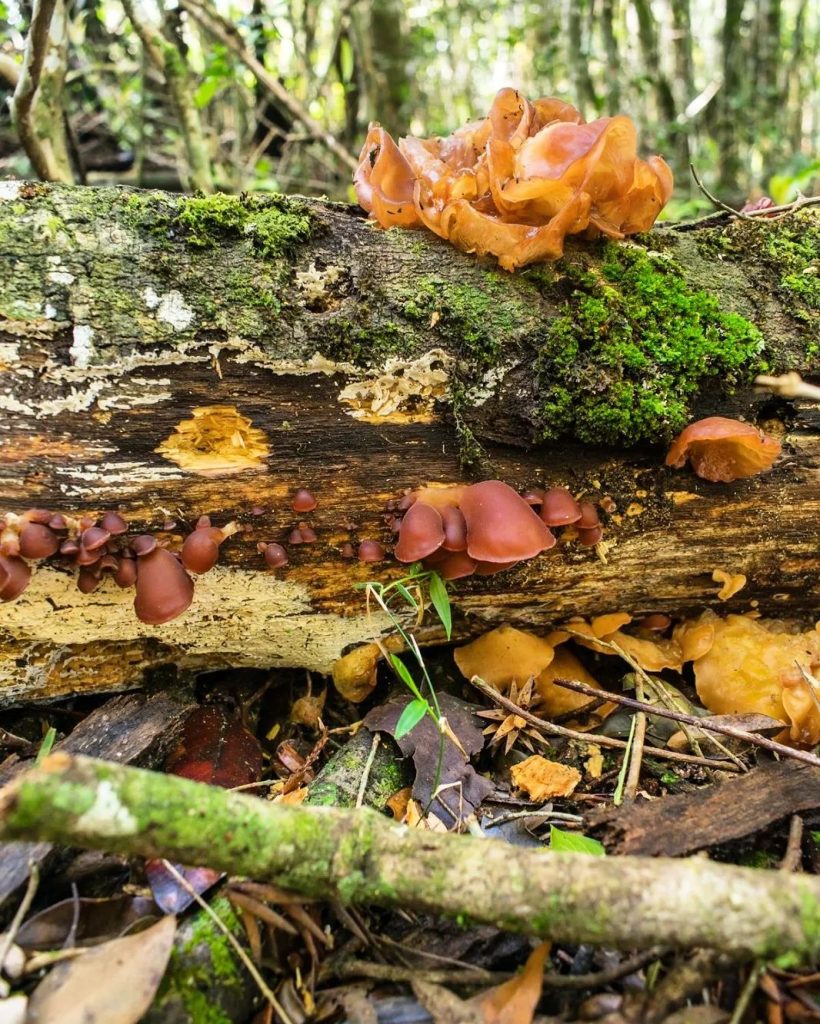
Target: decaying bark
(357,856)
(358,363)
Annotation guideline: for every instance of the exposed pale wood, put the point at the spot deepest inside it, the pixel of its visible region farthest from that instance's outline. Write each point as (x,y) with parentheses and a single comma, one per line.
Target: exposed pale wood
(84,414)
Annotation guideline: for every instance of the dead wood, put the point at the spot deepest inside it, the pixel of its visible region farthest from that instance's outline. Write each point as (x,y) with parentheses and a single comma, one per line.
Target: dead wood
(682,823)
(357,363)
(359,857)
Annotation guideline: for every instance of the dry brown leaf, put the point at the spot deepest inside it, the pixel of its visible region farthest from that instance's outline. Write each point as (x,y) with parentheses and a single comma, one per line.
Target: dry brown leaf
(541,779)
(307,710)
(295,796)
(514,1001)
(114,983)
(397,804)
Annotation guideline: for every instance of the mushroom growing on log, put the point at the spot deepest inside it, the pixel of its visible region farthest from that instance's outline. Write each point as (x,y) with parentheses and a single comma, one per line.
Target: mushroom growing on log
(369,364)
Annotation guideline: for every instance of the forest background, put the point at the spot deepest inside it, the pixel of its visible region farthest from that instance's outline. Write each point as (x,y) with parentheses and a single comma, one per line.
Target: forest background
(171,96)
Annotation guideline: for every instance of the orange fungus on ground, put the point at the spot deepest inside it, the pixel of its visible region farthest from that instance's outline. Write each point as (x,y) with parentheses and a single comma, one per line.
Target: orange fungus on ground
(516,183)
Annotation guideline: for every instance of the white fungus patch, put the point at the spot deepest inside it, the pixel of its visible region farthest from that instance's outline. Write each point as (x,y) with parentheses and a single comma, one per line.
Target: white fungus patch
(401,389)
(60,277)
(150,297)
(107,816)
(50,313)
(82,348)
(172,309)
(10,189)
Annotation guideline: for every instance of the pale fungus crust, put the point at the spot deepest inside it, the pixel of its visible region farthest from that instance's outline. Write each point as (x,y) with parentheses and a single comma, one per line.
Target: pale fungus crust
(247,618)
(216,441)
(400,391)
(108,816)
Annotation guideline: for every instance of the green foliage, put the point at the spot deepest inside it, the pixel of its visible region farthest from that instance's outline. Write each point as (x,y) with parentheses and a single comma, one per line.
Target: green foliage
(635,345)
(410,717)
(572,842)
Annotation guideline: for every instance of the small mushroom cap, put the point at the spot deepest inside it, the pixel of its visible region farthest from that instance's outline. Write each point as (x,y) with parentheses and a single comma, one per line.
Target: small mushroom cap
(37,541)
(275,555)
(15,576)
(164,588)
(451,565)
(501,526)
(200,550)
(295,536)
(589,538)
(588,518)
(86,557)
(455,529)
(504,655)
(421,533)
(307,533)
(144,544)
(722,450)
(69,548)
(88,580)
(114,523)
(370,551)
(126,574)
(94,537)
(347,550)
(559,508)
(534,496)
(303,501)
(37,515)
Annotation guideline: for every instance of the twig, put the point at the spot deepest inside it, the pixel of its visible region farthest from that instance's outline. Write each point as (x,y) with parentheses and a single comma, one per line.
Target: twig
(8,937)
(589,737)
(746,994)
(769,212)
(222,30)
(250,966)
(701,723)
(633,776)
(789,385)
(793,855)
(362,858)
(368,765)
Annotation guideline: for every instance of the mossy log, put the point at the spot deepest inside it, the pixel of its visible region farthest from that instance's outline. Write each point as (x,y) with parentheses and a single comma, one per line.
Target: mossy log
(357,363)
(360,857)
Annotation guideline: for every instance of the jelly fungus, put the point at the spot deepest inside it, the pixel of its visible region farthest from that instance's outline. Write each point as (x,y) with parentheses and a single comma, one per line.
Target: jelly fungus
(37,541)
(303,501)
(114,524)
(559,508)
(421,533)
(274,554)
(723,450)
(501,526)
(164,588)
(15,576)
(370,551)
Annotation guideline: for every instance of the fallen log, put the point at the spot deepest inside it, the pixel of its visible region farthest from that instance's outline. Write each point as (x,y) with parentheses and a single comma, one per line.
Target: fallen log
(358,363)
(359,857)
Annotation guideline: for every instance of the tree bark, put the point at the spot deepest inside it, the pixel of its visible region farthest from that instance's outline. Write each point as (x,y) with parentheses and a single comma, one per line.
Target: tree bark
(359,857)
(358,363)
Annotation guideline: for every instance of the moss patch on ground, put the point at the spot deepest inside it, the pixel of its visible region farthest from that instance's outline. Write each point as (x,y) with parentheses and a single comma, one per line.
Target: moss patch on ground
(634,346)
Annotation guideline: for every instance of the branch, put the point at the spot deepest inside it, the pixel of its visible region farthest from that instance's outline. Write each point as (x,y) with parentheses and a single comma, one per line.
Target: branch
(37,101)
(167,59)
(359,857)
(218,27)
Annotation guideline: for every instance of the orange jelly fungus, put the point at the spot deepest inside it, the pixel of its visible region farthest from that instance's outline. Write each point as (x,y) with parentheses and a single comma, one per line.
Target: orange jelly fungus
(516,183)
(723,450)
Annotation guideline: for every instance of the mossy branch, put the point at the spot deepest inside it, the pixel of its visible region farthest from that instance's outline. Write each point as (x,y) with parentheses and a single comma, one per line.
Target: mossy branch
(359,857)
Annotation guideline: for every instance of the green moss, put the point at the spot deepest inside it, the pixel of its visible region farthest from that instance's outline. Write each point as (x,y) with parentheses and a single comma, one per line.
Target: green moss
(203,963)
(633,347)
(274,224)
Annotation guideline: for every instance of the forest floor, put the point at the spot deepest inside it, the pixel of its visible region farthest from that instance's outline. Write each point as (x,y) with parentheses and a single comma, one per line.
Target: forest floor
(100,936)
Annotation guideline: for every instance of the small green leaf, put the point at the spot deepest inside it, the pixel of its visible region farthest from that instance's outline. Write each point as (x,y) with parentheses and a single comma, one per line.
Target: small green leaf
(403,672)
(346,59)
(441,602)
(572,842)
(408,597)
(410,717)
(46,745)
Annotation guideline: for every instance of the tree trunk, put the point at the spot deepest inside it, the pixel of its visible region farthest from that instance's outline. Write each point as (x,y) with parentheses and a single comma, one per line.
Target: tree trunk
(358,363)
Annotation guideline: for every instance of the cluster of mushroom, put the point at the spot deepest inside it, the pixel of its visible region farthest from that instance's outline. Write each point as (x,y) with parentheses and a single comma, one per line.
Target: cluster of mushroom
(723,450)
(516,183)
(486,527)
(164,588)
(276,555)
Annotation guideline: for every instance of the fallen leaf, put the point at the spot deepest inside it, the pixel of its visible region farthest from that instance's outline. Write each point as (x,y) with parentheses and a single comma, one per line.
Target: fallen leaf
(541,779)
(114,983)
(170,896)
(87,921)
(307,710)
(216,748)
(461,789)
(574,842)
(397,803)
(514,1001)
